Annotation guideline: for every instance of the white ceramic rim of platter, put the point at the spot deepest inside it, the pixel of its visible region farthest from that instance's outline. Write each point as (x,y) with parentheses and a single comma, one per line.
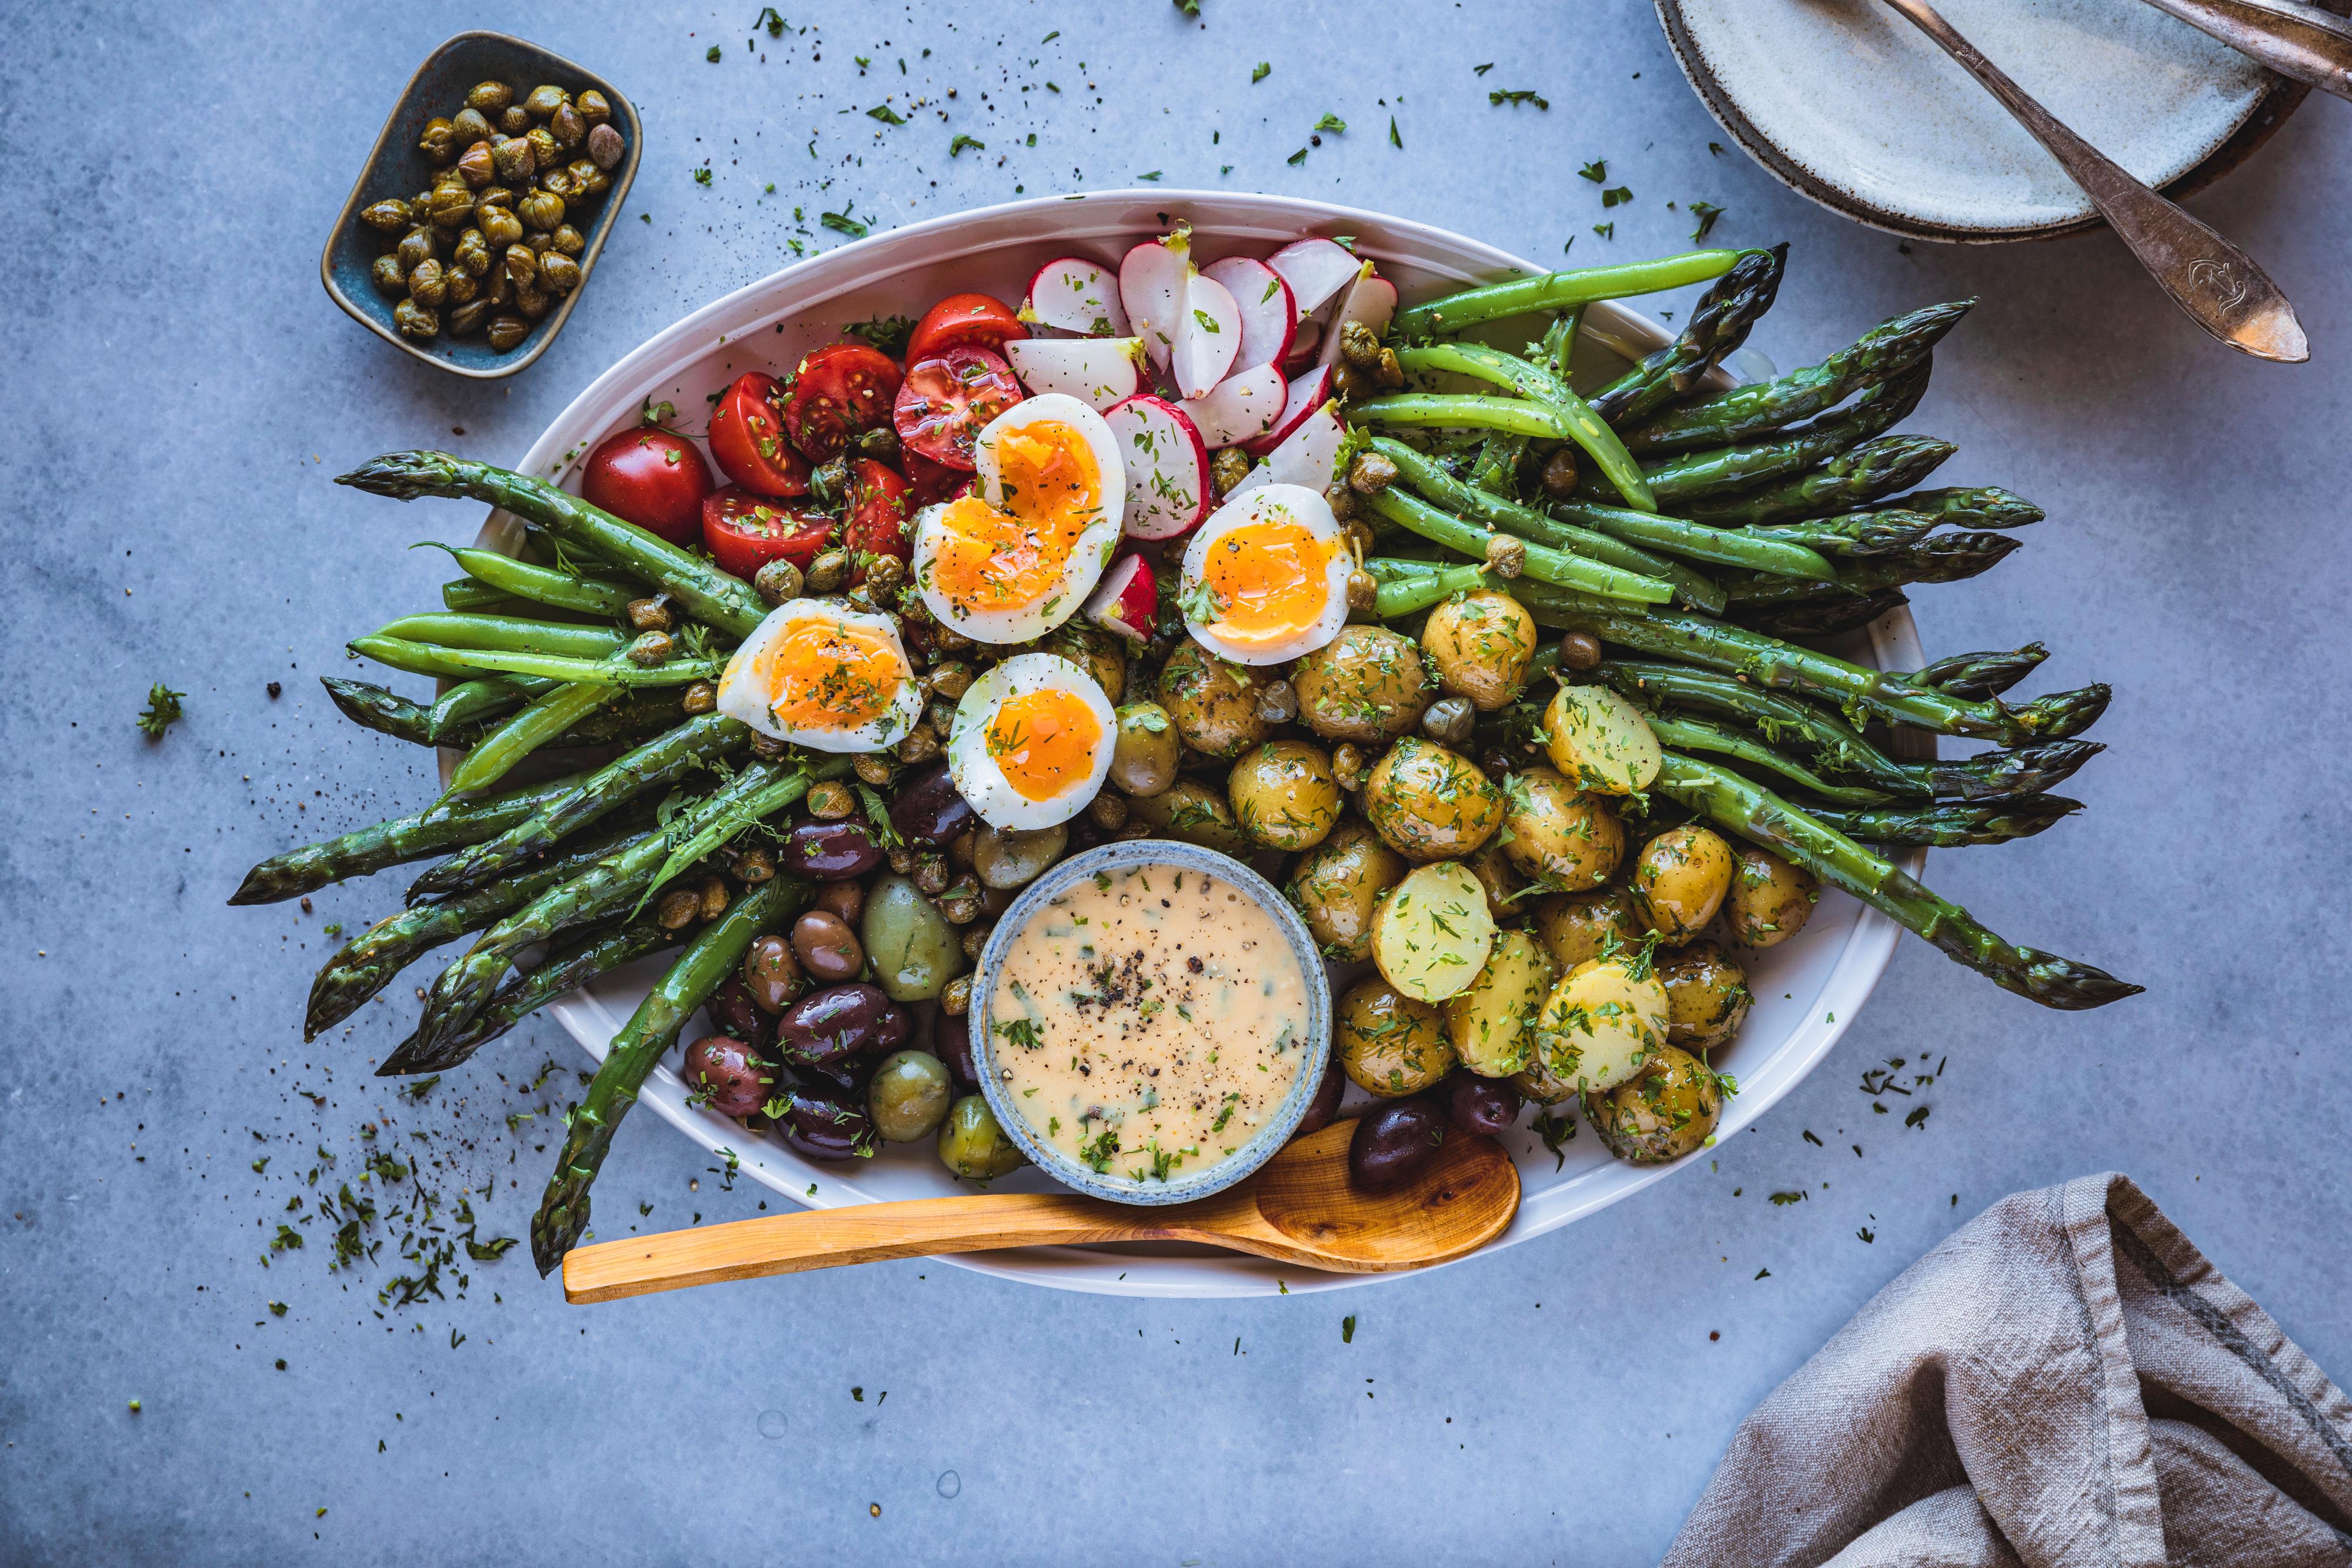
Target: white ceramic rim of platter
(1086,221)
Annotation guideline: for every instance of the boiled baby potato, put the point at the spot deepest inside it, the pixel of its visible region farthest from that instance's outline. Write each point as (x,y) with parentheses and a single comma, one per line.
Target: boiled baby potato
(1707,997)
(1668,1110)
(1193,812)
(1556,831)
(1491,1026)
(1283,796)
(1575,928)
(1771,900)
(1601,1023)
(1430,803)
(1500,878)
(1093,650)
(1337,887)
(1680,879)
(1368,685)
(1389,1043)
(1600,740)
(1433,933)
(1214,704)
(1479,644)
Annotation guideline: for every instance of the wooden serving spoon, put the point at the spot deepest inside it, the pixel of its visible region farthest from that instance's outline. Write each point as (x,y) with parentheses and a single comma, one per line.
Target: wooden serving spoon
(1298,1209)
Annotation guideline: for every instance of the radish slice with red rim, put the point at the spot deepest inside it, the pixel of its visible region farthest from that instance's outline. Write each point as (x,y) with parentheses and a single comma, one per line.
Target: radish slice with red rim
(1370,302)
(1303,347)
(1071,294)
(1127,601)
(1307,390)
(1307,457)
(1208,338)
(1242,407)
(1269,314)
(1154,278)
(1167,463)
(1098,371)
(1317,271)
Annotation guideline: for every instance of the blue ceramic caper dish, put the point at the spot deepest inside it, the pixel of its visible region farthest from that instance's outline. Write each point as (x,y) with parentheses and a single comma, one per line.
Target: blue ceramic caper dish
(1212,957)
(399,167)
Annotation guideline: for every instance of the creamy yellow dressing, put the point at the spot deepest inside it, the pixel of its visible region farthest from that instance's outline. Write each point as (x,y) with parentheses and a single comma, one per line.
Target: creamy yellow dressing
(1148,1022)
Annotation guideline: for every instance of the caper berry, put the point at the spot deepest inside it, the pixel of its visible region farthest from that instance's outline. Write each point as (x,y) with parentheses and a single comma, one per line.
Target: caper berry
(514,120)
(489,97)
(426,284)
(605,146)
(541,210)
(507,331)
(558,273)
(471,126)
(476,166)
(594,106)
(568,240)
(439,142)
(567,127)
(389,276)
(414,321)
(464,320)
(499,227)
(544,101)
(391,214)
(473,253)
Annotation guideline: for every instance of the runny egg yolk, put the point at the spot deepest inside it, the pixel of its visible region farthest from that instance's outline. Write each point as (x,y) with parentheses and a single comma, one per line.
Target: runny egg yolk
(992,560)
(1269,580)
(1044,741)
(821,675)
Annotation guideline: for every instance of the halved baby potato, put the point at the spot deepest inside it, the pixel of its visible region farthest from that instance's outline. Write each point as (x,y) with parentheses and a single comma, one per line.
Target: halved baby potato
(1433,935)
(1601,1023)
(1600,741)
(1492,1024)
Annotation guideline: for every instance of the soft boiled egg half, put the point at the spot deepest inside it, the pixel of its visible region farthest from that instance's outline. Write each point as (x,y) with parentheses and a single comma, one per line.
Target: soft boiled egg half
(1266,578)
(1020,557)
(820,675)
(1032,742)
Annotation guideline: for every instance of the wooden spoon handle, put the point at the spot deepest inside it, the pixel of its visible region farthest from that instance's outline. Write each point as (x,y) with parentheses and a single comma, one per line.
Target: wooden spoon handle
(823,1239)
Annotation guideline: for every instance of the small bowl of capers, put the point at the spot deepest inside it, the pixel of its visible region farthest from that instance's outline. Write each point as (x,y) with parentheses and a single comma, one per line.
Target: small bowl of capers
(482,209)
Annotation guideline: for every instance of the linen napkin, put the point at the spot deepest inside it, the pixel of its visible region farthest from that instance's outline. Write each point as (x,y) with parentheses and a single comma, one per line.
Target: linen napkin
(2064,1382)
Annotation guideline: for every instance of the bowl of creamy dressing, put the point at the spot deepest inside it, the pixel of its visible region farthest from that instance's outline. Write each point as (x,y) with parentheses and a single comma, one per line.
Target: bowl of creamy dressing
(1150,1022)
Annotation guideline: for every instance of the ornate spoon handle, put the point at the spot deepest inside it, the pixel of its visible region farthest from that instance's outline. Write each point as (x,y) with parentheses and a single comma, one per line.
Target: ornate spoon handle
(2302,43)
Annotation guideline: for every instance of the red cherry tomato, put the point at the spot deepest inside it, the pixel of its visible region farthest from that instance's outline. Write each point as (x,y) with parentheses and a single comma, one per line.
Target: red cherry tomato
(650,478)
(747,438)
(745,532)
(964,322)
(877,521)
(929,482)
(949,399)
(838,394)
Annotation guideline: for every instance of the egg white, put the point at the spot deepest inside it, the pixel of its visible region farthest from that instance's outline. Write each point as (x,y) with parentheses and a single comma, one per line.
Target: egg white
(1268,503)
(976,774)
(741,695)
(1088,556)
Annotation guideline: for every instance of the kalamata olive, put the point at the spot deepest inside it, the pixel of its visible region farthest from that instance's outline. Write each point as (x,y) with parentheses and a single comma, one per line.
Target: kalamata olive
(841,1021)
(914,950)
(1008,860)
(847,899)
(1325,1104)
(928,810)
(844,1079)
(828,949)
(972,1145)
(1394,1143)
(830,851)
(909,1095)
(727,1075)
(828,1129)
(952,1043)
(1483,1106)
(734,1010)
(771,973)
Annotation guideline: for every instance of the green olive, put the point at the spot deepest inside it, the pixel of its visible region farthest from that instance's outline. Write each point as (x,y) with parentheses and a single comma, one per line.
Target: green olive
(1771,900)
(1214,704)
(414,321)
(1571,839)
(1429,803)
(1368,684)
(972,1146)
(1283,796)
(1577,927)
(1479,644)
(1680,879)
(439,140)
(501,227)
(464,320)
(1390,1044)
(1144,759)
(418,245)
(594,107)
(513,160)
(1193,812)
(391,214)
(489,97)
(389,276)
(1337,887)
(471,125)
(544,101)
(1707,997)
(567,126)
(558,273)
(1003,859)
(507,331)
(541,210)
(909,1095)
(427,284)
(1665,1112)
(913,950)
(569,240)
(473,253)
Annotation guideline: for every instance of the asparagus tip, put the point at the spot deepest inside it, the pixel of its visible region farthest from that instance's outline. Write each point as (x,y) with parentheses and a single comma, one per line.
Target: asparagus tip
(2063,983)
(402,476)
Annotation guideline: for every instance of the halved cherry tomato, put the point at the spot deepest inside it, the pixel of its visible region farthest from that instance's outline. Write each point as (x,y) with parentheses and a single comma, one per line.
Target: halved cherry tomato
(747,438)
(651,478)
(745,532)
(839,392)
(929,482)
(949,399)
(964,322)
(876,516)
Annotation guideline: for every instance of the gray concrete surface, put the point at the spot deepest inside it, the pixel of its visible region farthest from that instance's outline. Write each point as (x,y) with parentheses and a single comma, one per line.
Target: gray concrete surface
(179,392)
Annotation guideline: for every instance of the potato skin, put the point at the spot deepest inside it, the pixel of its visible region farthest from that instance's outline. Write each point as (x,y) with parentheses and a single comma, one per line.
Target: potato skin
(1559,832)
(1680,879)
(1771,900)
(1214,704)
(1337,887)
(1387,1043)
(1707,997)
(1491,1026)
(1479,644)
(1429,803)
(1368,685)
(1193,812)
(1284,795)
(1572,925)
(1667,1111)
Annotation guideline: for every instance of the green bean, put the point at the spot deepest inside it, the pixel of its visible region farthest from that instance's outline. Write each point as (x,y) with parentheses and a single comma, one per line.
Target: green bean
(425,659)
(505,634)
(1575,418)
(487,697)
(1559,291)
(1409,593)
(535,726)
(1696,735)
(544,585)
(465,593)
(1463,411)
(1543,563)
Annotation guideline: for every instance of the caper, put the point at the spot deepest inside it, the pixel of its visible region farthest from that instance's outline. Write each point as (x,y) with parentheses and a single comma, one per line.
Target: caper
(1360,345)
(828,482)
(464,286)
(567,127)
(1342,500)
(532,301)
(652,648)
(1229,468)
(464,320)
(497,288)
(1391,373)
(544,101)
(881,444)
(471,126)
(920,746)
(541,210)
(543,147)
(1561,474)
(489,97)
(558,273)
(831,801)
(506,331)
(514,161)
(1449,720)
(778,580)
(590,180)
(827,572)
(758,863)
(605,146)
(499,227)
(1363,591)
(521,264)
(559,183)
(414,321)
(389,276)
(450,206)
(950,679)
(514,120)
(427,284)
(1371,473)
(473,253)
(538,240)
(391,214)
(439,142)
(701,697)
(677,909)
(650,614)
(493,196)
(476,166)
(870,768)
(417,244)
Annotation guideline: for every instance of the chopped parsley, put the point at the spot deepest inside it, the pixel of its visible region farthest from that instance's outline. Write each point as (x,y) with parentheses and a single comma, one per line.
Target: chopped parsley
(162,710)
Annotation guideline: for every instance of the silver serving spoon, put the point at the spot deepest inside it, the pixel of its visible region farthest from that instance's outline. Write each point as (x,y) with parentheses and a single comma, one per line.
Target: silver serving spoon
(2215,282)
(2302,43)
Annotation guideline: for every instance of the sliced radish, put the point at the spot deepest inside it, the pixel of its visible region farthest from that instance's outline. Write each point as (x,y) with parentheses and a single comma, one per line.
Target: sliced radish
(1307,391)
(1153,280)
(1269,317)
(1127,601)
(1370,300)
(1167,465)
(1307,458)
(1242,407)
(1316,269)
(1208,338)
(1099,370)
(1302,347)
(1071,294)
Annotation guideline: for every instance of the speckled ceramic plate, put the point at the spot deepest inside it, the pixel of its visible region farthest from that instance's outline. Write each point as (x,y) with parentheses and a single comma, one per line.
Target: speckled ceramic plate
(1851,105)
(1807,989)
